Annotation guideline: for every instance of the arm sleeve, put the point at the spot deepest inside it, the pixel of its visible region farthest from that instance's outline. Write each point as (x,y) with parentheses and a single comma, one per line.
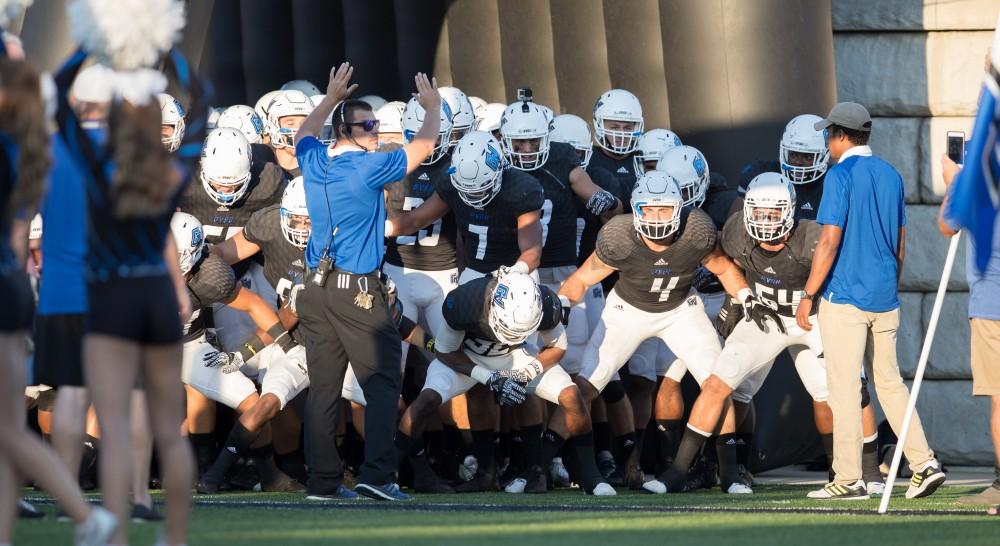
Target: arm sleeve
(380,168)
(833,207)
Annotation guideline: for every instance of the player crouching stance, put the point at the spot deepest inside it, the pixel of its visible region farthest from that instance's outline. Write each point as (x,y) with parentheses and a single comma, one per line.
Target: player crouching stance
(657,251)
(487,322)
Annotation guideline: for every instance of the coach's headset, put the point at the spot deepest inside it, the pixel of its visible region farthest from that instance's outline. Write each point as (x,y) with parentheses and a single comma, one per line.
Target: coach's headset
(345,128)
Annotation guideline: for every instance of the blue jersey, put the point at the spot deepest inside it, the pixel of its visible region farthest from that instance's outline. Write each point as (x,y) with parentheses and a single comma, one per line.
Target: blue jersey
(344,192)
(63,288)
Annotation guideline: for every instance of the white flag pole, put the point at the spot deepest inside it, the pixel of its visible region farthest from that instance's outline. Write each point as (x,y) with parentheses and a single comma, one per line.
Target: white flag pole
(918,376)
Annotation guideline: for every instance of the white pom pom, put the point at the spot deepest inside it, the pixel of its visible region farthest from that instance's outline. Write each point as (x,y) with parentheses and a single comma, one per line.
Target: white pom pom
(126,34)
(9,9)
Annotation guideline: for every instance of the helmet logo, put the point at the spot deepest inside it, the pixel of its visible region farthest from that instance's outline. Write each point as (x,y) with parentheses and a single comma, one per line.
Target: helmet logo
(492,157)
(500,294)
(699,165)
(196,237)
(258,125)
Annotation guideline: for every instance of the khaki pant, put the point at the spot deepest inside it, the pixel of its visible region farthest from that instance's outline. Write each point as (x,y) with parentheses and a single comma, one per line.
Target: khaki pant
(985,336)
(844,329)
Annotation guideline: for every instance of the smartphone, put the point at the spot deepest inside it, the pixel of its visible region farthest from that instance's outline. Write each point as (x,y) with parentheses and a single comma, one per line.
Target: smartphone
(956,146)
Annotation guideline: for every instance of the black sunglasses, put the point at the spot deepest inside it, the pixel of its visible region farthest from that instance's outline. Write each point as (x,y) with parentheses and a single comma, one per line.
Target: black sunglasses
(368,125)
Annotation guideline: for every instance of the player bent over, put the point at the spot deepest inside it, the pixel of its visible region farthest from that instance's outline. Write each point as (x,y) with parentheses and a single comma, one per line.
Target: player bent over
(657,252)
(487,322)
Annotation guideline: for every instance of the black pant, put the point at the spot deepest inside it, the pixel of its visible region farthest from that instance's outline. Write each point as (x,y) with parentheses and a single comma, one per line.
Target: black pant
(336,331)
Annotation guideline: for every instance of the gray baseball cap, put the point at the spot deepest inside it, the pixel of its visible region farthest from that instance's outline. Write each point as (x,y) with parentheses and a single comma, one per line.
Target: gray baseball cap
(849,115)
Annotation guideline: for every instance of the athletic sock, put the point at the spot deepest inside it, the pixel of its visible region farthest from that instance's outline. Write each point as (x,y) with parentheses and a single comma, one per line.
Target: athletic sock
(602,436)
(996,472)
(583,456)
(531,436)
(727,446)
(869,460)
(669,437)
(828,449)
(434,444)
(292,464)
(237,443)
(204,449)
(483,446)
(691,445)
(743,447)
(622,448)
(550,445)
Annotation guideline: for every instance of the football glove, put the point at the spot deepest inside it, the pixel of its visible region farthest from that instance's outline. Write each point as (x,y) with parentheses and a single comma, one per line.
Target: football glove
(293,296)
(601,202)
(519,267)
(525,374)
(729,316)
(758,312)
(229,362)
(706,282)
(506,390)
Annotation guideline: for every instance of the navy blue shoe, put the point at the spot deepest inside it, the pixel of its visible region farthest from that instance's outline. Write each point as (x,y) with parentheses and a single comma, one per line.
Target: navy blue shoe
(340,493)
(389,492)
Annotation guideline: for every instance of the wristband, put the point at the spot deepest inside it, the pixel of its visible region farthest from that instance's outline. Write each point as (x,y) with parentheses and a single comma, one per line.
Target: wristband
(252,346)
(743,295)
(521,267)
(481,374)
(429,344)
(281,337)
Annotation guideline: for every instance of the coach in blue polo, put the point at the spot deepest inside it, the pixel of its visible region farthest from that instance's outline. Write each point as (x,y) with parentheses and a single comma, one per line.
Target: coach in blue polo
(343,316)
(855,269)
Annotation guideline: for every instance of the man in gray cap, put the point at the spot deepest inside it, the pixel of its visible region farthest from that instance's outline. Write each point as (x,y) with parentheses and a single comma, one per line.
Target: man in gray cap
(855,269)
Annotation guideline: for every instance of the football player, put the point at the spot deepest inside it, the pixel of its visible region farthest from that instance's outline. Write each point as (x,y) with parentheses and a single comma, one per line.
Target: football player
(497,210)
(617,127)
(488,321)
(217,374)
(651,147)
(775,253)
(488,120)
(285,113)
(657,251)
(171,122)
(390,123)
(306,87)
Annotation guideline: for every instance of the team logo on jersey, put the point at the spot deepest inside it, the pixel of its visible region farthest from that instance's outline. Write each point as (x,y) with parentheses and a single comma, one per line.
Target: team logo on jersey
(622,170)
(692,301)
(492,157)
(770,270)
(454,279)
(699,165)
(661,261)
(297,263)
(197,237)
(807,206)
(245,281)
(500,294)
(423,176)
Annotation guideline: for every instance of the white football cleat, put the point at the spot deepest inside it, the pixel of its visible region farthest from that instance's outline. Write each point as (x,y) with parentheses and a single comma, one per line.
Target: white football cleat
(604,489)
(516,486)
(739,489)
(655,486)
(875,488)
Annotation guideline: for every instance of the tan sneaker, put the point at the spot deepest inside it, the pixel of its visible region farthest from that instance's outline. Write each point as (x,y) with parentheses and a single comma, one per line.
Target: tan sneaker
(990,495)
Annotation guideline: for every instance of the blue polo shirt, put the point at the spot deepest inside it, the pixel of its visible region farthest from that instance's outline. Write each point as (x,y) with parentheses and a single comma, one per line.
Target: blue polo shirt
(345,192)
(63,286)
(863,195)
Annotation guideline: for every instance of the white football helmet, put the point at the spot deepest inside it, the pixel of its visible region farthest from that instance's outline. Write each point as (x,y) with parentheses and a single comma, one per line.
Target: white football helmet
(652,144)
(489,120)
(213,118)
(617,105)
(522,121)
(189,237)
(390,117)
(769,207)
(245,120)
(477,107)
(477,168)
(572,130)
(801,138)
(326,135)
(286,103)
(172,114)
(516,309)
(688,166)
(463,119)
(307,88)
(262,103)
(226,161)
(374,101)
(293,203)
(413,118)
(656,189)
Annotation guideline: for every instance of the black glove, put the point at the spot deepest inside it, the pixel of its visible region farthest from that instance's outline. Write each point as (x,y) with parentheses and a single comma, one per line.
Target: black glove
(505,389)
(757,311)
(706,282)
(729,316)
(601,202)
(565,308)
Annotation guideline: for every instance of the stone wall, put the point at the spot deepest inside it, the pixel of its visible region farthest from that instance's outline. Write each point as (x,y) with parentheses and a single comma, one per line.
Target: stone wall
(917,65)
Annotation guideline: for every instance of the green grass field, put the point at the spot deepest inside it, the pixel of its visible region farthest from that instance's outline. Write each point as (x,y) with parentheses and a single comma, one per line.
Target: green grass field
(773,515)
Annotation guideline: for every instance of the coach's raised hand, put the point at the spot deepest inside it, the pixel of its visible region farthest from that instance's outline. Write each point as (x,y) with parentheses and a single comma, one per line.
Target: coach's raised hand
(421,146)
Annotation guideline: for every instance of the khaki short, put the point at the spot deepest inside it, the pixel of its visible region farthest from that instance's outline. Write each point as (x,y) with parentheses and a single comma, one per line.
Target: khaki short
(985,336)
